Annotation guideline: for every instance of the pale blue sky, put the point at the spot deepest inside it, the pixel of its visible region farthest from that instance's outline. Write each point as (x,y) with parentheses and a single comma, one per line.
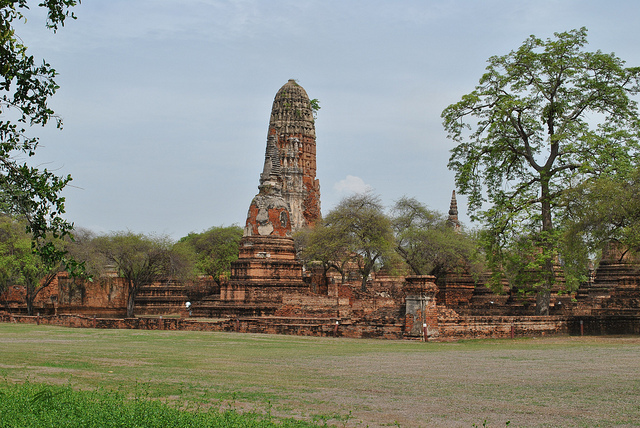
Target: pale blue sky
(166,103)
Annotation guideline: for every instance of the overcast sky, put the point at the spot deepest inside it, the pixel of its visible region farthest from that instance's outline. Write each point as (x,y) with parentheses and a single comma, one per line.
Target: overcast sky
(166,103)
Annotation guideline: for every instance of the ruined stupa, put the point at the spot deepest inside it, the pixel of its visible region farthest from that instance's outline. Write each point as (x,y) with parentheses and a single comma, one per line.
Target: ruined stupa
(292,125)
(452,220)
(288,199)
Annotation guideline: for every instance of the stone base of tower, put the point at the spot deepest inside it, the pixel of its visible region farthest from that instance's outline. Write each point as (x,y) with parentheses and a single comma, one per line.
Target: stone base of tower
(265,271)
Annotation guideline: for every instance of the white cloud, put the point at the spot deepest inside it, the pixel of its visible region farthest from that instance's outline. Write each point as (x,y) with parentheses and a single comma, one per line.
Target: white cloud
(351,185)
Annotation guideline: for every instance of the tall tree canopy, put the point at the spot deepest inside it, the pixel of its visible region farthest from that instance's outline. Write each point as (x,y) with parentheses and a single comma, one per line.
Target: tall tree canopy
(427,243)
(25,89)
(326,245)
(215,249)
(543,118)
(602,211)
(365,230)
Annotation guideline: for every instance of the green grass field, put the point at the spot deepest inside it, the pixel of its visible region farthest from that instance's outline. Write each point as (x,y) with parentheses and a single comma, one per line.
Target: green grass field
(25,405)
(568,381)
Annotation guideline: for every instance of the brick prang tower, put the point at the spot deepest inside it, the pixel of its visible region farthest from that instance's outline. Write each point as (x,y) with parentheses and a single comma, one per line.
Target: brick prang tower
(292,125)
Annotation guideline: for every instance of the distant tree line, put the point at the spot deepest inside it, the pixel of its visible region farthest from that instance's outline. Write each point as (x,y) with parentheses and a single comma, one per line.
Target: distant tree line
(412,239)
(137,258)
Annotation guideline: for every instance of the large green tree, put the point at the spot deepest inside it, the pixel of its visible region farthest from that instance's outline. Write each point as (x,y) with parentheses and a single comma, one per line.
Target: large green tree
(543,118)
(366,231)
(26,86)
(215,249)
(428,243)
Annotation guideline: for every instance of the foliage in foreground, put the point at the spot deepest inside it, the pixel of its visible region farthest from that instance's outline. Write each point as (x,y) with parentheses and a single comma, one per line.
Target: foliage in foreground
(25,91)
(36,405)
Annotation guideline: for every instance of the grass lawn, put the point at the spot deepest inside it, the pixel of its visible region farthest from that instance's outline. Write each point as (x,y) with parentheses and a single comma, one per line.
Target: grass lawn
(552,382)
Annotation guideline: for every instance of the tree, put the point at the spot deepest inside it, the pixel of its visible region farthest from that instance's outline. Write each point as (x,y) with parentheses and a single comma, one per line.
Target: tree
(139,259)
(602,211)
(326,245)
(428,244)
(361,221)
(215,249)
(84,248)
(543,118)
(25,89)
(20,265)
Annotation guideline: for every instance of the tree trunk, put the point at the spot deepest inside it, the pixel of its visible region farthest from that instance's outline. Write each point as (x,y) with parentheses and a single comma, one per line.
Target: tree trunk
(131,300)
(366,269)
(29,299)
(363,285)
(543,295)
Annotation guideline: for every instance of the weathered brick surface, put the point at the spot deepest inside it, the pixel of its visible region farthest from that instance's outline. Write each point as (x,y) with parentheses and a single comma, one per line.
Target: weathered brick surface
(609,324)
(292,124)
(80,321)
(450,327)
(456,289)
(477,327)
(276,215)
(381,312)
(105,296)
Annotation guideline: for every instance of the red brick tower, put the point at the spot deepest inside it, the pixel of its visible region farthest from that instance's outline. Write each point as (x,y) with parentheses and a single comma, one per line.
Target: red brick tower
(266,269)
(293,127)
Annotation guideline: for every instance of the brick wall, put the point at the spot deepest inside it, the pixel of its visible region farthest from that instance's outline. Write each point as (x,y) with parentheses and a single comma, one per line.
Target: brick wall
(450,326)
(478,327)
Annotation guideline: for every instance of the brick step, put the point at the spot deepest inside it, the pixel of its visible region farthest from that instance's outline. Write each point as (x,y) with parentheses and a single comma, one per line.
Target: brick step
(158,310)
(212,298)
(180,307)
(159,304)
(290,321)
(158,290)
(233,310)
(154,297)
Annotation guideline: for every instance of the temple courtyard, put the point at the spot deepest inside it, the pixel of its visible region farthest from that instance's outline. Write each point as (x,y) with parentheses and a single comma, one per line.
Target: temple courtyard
(535,382)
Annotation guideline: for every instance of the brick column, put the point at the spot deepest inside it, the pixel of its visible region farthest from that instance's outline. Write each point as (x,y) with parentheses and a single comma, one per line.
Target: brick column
(420,305)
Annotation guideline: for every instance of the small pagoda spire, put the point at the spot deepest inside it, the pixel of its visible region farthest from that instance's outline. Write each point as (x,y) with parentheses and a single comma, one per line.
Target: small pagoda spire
(270,178)
(453,214)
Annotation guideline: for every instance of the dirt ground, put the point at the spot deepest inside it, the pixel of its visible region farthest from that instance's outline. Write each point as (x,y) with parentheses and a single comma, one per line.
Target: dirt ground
(551,387)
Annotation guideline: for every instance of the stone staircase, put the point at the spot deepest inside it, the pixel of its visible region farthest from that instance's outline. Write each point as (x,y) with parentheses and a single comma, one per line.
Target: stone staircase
(166,298)
(212,307)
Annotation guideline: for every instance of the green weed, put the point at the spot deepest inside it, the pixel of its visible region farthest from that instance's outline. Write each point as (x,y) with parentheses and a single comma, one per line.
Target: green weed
(35,405)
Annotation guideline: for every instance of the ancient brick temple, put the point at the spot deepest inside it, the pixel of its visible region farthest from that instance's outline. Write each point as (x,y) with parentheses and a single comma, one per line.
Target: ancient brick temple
(293,128)
(266,266)
(267,271)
